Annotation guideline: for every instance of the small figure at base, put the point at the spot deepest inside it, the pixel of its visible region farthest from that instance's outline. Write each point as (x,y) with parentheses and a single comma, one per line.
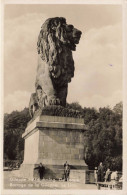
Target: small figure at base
(95,174)
(114,176)
(40,170)
(100,174)
(108,175)
(66,171)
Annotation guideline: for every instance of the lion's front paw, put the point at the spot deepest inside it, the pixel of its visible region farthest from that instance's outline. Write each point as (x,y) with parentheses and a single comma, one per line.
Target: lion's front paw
(54,101)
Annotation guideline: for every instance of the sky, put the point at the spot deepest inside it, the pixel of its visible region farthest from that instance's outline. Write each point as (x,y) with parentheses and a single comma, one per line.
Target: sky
(98,57)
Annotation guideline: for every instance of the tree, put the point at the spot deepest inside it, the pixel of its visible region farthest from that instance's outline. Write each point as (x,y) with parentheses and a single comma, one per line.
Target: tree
(118,108)
(103,138)
(14,125)
(89,114)
(75,106)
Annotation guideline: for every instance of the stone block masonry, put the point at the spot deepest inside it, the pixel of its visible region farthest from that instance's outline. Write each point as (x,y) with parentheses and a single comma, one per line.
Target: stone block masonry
(52,141)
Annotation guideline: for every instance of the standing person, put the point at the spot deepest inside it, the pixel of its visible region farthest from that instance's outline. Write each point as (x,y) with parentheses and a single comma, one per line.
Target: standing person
(95,174)
(40,170)
(100,174)
(66,171)
(107,175)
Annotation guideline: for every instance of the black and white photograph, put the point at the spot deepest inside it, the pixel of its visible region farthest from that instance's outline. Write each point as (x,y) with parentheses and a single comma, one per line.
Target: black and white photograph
(62,105)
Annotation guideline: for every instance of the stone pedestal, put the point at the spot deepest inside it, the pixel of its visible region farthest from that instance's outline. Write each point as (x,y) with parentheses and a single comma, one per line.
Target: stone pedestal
(52,141)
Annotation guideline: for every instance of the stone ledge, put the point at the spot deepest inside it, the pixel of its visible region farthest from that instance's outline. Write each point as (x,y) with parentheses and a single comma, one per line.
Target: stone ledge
(60,125)
(55,122)
(55,126)
(61,119)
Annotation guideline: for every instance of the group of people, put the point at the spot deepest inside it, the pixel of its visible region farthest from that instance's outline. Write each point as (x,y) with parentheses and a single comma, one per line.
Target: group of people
(41,170)
(102,175)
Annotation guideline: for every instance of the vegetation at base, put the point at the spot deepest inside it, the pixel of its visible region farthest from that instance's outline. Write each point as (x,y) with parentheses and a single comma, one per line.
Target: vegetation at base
(102,141)
(62,111)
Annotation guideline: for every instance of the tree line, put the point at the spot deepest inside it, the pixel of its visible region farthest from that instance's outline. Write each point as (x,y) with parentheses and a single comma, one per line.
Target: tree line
(102,140)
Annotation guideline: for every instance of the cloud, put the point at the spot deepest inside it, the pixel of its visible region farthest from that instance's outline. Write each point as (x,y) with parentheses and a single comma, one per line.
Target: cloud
(20,46)
(98,63)
(16,101)
(98,101)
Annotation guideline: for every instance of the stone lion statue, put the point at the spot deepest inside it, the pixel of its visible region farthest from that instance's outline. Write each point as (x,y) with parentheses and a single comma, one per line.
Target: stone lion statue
(56,41)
